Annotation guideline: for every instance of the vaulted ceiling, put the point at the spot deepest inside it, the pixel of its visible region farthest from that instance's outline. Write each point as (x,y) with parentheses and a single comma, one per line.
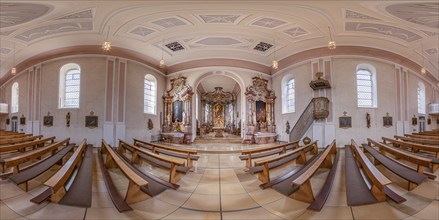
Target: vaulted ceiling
(248,31)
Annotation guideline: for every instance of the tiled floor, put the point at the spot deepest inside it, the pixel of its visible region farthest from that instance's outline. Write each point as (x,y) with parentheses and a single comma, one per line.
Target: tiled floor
(219,188)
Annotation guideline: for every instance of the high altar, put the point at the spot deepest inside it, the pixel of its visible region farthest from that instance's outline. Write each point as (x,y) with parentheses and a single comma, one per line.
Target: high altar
(261,127)
(177,123)
(218,112)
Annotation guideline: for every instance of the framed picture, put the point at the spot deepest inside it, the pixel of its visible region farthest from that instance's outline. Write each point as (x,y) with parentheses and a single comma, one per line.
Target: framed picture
(48,120)
(177,111)
(414,120)
(22,120)
(429,121)
(437,121)
(345,121)
(8,121)
(387,121)
(91,121)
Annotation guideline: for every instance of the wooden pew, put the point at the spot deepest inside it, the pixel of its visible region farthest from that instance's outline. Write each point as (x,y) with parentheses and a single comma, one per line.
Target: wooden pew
(267,163)
(428,133)
(43,165)
(136,182)
(422,136)
(414,177)
(432,163)
(19,140)
(250,154)
(418,140)
(302,185)
(15,161)
(57,182)
(136,152)
(22,146)
(188,154)
(378,181)
(11,136)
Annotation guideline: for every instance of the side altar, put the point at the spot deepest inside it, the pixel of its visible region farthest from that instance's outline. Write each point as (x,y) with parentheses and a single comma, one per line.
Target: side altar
(177,123)
(261,127)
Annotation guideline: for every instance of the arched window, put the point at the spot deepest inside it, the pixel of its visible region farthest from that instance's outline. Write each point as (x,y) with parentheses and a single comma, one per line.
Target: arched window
(288,95)
(150,94)
(421,98)
(69,85)
(366,86)
(14,98)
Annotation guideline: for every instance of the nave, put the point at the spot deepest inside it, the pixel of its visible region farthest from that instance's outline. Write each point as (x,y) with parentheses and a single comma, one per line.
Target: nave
(218,187)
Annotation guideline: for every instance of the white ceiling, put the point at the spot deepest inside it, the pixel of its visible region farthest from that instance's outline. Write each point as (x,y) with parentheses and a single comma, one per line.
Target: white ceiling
(242,30)
(210,82)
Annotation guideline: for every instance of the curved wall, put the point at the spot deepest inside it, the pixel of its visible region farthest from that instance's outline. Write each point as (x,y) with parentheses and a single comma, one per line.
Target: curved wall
(112,87)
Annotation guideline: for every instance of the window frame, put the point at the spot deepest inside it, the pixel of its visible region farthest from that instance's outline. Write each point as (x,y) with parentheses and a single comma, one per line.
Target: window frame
(286,94)
(15,97)
(153,99)
(373,85)
(421,98)
(62,93)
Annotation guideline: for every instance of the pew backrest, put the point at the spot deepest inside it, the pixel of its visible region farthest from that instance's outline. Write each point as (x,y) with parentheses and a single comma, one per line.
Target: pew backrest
(20,146)
(19,140)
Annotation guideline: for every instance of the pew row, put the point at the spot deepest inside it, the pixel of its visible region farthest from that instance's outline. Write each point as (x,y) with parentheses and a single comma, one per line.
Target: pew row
(301,185)
(19,140)
(170,162)
(136,182)
(421,161)
(424,141)
(56,183)
(413,177)
(262,166)
(254,153)
(357,191)
(15,161)
(188,154)
(29,173)
(22,146)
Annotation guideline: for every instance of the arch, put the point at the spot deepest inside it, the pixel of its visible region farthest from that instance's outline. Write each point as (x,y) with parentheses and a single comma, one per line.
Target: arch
(421,98)
(288,83)
(227,73)
(150,94)
(69,86)
(15,95)
(366,85)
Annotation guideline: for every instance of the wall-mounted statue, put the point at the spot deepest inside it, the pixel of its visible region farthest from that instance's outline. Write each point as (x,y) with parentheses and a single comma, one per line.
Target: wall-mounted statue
(368,120)
(287,125)
(150,124)
(68,119)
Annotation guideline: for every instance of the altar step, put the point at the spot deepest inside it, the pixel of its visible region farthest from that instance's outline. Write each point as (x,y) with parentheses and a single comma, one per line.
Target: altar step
(200,140)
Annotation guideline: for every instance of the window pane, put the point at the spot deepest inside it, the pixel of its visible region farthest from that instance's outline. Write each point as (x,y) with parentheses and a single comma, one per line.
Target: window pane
(72,88)
(149,96)
(364,88)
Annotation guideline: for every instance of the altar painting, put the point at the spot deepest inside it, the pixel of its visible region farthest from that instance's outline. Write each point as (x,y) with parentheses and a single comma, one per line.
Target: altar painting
(218,115)
(177,111)
(261,112)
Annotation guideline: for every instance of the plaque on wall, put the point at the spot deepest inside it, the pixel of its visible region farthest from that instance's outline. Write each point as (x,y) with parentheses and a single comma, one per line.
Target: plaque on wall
(48,120)
(91,121)
(387,121)
(345,121)
(22,120)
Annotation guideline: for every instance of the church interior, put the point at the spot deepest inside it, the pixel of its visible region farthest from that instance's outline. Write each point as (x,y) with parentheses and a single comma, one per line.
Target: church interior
(245,109)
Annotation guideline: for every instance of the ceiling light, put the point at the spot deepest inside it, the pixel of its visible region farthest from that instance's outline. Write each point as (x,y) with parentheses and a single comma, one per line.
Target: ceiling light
(106,46)
(423,70)
(331,43)
(162,61)
(274,63)
(14,69)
